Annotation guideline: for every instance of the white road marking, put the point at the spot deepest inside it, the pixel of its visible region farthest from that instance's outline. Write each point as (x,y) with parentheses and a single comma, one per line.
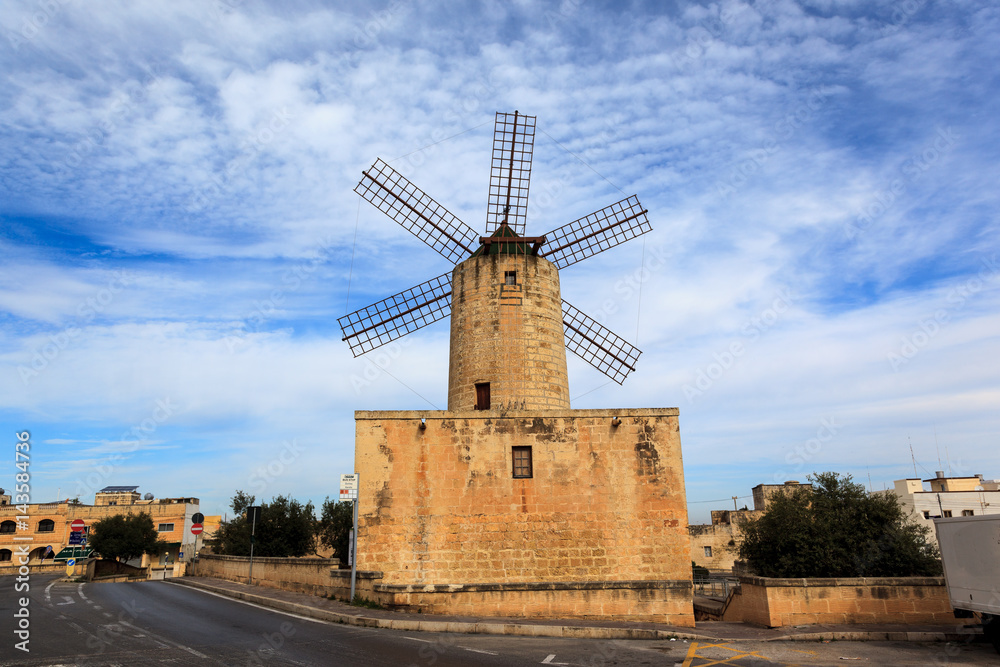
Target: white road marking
(414,639)
(79,589)
(550,658)
(68,599)
(251,604)
(160,638)
(48,592)
(476,650)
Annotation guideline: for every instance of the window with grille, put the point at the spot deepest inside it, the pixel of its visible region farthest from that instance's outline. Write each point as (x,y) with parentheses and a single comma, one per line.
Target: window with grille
(522,462)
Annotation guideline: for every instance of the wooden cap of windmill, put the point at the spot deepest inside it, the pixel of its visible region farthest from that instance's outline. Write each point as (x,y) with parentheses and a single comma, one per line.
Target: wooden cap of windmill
(508,346)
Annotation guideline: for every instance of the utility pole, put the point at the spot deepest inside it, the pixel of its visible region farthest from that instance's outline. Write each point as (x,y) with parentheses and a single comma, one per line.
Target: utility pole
(735,508)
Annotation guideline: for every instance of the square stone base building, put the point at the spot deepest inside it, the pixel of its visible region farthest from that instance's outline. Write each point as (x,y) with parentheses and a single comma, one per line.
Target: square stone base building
(509,503)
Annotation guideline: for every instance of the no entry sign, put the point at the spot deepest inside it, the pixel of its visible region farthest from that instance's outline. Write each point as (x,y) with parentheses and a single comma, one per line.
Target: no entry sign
(196,528)
(77,525)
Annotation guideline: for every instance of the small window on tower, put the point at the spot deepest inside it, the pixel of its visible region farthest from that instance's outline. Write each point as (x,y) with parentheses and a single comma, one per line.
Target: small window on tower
(510,277)
(708,552)
(482,396)
(522,461)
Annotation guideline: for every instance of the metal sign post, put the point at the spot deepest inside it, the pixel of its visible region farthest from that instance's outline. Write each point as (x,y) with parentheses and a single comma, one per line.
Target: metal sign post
(254,511)
(349,491)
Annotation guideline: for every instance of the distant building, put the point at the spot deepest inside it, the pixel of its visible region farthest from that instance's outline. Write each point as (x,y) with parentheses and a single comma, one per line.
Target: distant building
(947,497)
(714,545)
(48,524)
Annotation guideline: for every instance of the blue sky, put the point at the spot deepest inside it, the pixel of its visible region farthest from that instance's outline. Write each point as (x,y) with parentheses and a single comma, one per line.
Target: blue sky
(820,289)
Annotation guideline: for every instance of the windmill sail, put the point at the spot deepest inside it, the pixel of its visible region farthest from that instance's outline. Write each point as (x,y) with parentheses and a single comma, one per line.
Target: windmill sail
(510,172)
(417,212)
(597,232)
(389,319)
(597,345)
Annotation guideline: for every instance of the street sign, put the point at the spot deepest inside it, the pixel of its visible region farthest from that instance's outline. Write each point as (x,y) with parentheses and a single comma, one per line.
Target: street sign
(349,486)
(77,525)
(76,538)
(198,517)
(197,528)
(71,562)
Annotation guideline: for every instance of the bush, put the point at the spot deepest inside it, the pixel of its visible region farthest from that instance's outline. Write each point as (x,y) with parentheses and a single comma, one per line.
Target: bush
(836,530)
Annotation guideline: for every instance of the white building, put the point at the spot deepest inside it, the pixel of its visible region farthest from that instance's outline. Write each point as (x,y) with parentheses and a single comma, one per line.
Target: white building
(947,497)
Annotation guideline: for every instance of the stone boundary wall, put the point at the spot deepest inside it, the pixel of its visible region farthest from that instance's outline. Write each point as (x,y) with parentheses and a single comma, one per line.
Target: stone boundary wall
(315,576)
(648,601)
(781,602)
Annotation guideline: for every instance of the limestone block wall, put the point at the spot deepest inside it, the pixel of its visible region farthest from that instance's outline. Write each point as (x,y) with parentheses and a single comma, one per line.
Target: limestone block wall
(779,602)
(509,335)
(303,575)
(440,505)
(720,538)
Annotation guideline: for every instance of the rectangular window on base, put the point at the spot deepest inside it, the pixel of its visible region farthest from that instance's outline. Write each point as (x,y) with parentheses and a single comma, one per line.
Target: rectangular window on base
(947,513)
(522,462)
(708,552)
(968,513)
(510,277)
(165,528)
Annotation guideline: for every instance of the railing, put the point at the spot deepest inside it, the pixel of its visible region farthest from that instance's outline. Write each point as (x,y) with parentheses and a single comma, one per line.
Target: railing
(715,588)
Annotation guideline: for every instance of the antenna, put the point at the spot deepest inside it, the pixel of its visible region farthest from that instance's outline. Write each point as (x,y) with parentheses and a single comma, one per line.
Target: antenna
(870,489)
(914,458)
(947,457)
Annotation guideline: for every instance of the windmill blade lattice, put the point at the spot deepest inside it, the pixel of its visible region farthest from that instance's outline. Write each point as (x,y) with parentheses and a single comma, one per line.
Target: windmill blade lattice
(597,232)
(510,172)
(417,212)
(389,319)
(597,345)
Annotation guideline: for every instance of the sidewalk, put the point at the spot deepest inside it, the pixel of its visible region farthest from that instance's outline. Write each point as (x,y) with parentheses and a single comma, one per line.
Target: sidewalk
(339,612)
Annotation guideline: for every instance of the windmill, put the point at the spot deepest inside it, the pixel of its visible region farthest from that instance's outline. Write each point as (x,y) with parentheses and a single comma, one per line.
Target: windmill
(509,322)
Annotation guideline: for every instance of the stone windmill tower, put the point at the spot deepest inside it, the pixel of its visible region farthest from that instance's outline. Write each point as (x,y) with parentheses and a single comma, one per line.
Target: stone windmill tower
(510,498)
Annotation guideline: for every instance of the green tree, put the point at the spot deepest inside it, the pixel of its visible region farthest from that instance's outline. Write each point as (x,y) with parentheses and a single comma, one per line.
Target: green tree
(124,537)
(334,527)
(285,528)
(836,530)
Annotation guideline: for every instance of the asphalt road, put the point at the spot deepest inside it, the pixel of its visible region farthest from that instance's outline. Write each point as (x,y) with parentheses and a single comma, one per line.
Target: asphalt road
(160,623)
